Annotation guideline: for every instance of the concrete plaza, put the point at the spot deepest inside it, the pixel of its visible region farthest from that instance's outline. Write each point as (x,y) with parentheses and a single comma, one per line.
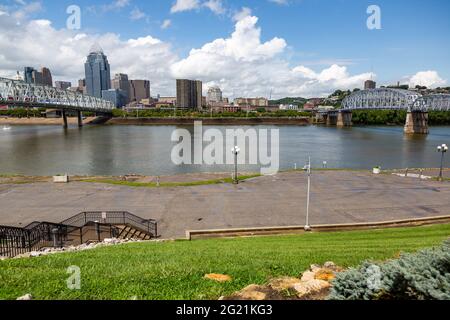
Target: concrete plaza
(337,197)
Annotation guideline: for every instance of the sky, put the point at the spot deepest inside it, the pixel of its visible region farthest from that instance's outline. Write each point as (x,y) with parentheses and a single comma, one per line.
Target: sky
(269,48)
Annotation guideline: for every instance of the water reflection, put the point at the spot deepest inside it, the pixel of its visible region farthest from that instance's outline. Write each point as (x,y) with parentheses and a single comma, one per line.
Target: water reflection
(117,150)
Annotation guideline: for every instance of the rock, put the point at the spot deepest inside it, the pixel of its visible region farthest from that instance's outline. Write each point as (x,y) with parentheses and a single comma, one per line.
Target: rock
(26,297)
(256,293)
(324,274)
(311,287)
(314,267)
(329,265)
(308,276)
(218,277)
(282,284)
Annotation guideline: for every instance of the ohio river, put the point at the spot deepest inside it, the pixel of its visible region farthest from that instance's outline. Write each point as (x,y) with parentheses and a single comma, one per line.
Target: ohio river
(146,150)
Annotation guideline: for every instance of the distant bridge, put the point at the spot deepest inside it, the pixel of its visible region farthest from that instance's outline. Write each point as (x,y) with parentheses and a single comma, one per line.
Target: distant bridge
(21,94)
(414,103)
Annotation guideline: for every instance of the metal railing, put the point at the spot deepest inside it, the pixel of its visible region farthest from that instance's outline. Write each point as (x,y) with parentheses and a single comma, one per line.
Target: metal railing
(115,218)
(84,227)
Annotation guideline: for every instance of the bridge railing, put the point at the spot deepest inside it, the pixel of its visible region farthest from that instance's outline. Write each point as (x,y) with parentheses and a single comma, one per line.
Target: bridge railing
(21,93)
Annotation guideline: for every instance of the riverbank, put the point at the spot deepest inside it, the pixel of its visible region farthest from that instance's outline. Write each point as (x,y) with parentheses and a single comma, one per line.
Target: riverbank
(40,121)
(301,121)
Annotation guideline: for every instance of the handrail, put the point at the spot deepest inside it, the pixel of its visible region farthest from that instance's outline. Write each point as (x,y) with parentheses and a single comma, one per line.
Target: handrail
(16,240)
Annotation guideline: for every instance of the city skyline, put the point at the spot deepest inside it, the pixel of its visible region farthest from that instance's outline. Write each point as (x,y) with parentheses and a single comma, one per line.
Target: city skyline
(251,55)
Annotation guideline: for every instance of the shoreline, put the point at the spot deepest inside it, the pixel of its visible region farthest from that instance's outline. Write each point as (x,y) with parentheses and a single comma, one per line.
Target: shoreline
(161,121)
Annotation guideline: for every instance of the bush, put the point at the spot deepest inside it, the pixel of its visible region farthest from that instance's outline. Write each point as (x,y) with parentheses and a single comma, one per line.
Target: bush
(421,276)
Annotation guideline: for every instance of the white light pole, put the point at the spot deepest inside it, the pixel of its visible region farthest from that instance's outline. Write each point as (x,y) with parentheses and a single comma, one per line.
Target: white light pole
(308,168)
(442,149)
(236,151)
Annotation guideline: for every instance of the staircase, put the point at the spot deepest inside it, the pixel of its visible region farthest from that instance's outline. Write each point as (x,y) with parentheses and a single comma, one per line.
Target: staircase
(81,228)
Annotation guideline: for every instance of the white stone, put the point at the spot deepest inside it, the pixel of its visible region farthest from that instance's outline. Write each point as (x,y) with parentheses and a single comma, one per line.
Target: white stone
(26,297)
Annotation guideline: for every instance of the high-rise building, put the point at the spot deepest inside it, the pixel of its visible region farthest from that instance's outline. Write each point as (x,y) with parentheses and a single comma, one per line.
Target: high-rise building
(214,95)
(189,94)
(121,82)
(139,90)
(369,84)
(46,77)
(28,74)
(64,85)
(116,96)
(97,71)
(32,76)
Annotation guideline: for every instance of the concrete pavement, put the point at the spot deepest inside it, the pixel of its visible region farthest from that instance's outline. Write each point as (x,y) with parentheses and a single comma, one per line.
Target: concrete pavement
(337,197)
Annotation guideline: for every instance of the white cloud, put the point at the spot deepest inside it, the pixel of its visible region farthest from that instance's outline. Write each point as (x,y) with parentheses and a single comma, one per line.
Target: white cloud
(429,79)
(282,2)
(243,13)
(184,5)
(215,6)
(166,24)
(242,64)
(115,5)
(137,14)
(29,44)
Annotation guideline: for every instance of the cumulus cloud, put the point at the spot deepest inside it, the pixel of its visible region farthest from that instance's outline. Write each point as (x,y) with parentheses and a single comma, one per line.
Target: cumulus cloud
(28,45)
(242,64)
(185,5)
(137,14)
(429,79)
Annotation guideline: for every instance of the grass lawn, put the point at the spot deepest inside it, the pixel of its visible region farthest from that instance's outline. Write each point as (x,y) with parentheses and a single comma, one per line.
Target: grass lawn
(175,270)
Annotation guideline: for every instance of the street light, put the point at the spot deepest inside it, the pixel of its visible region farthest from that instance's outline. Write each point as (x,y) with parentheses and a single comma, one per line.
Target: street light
(308,169)
(235,151)
(442,149)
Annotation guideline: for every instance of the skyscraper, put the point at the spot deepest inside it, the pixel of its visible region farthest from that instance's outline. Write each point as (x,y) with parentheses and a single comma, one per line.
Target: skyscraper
(97,71)
(46,77)
(121,82)
(32,76)
(139,89)
(189,94)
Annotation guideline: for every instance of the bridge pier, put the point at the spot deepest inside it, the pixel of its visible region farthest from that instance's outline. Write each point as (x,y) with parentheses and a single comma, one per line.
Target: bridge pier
(80,119)
(64,116)
(332,118)
(344,119)
(417,123)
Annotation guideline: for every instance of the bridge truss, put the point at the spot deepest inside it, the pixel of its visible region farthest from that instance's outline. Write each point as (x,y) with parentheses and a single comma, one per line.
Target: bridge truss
(395,99)
(19,93)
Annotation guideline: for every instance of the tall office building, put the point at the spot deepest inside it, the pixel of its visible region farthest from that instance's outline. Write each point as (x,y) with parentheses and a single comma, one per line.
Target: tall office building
(116,96)
(28,74)
(64,85)
(214,95)
(97,71)
(189,94)
(369,84)
(120,82)
(32,76)
(47,79)
(139,90)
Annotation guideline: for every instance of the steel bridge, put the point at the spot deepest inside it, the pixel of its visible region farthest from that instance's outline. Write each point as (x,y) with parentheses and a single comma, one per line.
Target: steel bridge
(395,99)
(416,105)
(20,94)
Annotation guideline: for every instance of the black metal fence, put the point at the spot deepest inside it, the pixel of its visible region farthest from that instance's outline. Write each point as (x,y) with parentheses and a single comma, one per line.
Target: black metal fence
(82,228)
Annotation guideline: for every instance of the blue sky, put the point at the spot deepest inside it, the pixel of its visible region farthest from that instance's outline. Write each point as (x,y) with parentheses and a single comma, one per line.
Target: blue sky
(317,33)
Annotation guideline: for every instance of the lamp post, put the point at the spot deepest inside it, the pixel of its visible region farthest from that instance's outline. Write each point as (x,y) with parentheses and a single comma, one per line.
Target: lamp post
(442,149)
(235,152)
(308,168)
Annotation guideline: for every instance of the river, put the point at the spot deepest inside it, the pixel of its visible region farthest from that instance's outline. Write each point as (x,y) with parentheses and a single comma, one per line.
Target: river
(146,150)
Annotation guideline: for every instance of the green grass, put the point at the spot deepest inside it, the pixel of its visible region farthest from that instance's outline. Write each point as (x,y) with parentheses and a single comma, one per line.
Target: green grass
(175,270)
(169,184)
